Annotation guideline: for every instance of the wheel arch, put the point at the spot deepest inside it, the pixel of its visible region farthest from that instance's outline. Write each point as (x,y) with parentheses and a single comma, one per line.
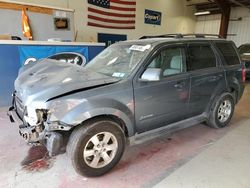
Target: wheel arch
(214,98)
(212,120)
(115,115)
(111,117)
(234,88)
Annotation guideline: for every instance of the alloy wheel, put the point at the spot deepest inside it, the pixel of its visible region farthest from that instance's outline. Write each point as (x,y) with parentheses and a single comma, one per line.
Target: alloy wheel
(100,150)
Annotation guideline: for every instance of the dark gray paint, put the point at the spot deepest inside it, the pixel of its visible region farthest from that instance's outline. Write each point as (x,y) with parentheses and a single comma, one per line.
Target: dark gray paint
(141,105)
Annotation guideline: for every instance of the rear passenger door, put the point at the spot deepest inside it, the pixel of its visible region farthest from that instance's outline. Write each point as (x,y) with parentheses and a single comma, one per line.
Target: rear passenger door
(207,76)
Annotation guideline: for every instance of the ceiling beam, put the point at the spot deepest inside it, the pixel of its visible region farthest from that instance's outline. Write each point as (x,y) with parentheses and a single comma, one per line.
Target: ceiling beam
(225,16)
(238,3)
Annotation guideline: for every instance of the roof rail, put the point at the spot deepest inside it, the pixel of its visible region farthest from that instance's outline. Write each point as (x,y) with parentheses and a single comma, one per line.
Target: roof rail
(176,35)
(179,35)
(201,35)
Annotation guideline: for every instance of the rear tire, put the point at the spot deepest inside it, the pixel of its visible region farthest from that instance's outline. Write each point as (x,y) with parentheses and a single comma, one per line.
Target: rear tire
(221,111)
(96,147)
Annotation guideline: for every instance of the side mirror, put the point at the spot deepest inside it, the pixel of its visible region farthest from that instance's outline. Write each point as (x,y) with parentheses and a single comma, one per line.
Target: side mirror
(151,74)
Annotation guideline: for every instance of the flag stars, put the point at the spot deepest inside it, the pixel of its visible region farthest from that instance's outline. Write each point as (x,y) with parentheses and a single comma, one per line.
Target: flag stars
(100,3)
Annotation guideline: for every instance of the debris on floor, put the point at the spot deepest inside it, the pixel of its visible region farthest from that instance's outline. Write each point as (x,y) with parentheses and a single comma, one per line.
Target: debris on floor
(37,159)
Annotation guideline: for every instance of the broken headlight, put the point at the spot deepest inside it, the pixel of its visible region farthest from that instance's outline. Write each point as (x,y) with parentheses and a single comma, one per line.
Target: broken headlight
(35,116)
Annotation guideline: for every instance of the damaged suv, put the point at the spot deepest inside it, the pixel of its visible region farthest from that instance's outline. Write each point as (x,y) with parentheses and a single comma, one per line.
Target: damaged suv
(130,92)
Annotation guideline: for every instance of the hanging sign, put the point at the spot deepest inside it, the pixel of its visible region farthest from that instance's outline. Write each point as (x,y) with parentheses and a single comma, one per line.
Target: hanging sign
(152,17)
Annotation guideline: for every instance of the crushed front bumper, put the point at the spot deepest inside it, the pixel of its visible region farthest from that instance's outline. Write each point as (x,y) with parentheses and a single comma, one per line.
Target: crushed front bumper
(52,140)
(14,118)
(29,133)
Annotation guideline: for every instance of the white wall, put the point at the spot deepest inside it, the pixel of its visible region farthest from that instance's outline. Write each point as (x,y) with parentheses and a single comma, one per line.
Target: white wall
(176,18)
(238,30)
(208,24)
(42,25)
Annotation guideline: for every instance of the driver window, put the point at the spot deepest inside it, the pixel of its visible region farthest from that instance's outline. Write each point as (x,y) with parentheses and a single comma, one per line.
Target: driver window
(170,61)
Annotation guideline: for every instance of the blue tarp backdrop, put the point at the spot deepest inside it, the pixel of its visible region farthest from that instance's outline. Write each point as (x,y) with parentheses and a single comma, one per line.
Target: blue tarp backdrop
(13,56)
(40,52)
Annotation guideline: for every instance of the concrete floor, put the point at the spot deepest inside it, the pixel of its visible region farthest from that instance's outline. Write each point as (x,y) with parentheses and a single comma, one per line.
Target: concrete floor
(194,157)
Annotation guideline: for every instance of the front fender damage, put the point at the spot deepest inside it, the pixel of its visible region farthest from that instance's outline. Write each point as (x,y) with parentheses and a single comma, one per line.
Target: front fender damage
(41,133)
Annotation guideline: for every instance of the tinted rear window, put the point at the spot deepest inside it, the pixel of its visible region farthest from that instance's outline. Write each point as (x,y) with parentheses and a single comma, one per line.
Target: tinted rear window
(200,57)
(229,53)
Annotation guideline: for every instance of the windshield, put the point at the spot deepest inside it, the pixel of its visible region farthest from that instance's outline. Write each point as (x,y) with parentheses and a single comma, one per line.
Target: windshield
(118,60)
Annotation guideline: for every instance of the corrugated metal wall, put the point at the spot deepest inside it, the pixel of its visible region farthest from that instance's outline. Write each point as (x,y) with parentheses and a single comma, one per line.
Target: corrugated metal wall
(208,24)
(238,30)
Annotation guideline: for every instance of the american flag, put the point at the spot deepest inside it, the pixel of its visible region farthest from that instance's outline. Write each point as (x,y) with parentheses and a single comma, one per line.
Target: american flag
(112,14)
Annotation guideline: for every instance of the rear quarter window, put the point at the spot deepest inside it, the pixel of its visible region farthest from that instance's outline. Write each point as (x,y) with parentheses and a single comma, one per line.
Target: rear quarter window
(228,52)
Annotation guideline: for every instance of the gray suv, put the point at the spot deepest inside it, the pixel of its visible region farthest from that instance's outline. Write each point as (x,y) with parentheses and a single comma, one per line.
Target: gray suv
(130,92)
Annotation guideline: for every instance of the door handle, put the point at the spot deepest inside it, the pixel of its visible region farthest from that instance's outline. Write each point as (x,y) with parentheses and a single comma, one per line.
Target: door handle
(214,78)
(179,85)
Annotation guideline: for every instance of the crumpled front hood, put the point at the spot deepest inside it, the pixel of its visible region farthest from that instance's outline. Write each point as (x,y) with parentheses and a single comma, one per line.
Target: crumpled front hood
(50,78)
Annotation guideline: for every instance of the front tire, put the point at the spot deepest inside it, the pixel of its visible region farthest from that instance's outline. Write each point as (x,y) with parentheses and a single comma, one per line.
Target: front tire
(95,148)
(221,111)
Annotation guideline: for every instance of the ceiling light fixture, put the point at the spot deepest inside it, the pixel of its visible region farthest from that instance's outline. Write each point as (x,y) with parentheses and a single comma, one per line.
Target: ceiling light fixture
(202,13)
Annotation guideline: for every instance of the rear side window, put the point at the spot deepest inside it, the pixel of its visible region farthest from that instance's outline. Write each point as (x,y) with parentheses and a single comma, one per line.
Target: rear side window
(228,52)
(200,56)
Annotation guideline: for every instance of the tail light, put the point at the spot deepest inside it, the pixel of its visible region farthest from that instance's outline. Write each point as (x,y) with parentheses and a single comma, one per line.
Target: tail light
(243,74)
